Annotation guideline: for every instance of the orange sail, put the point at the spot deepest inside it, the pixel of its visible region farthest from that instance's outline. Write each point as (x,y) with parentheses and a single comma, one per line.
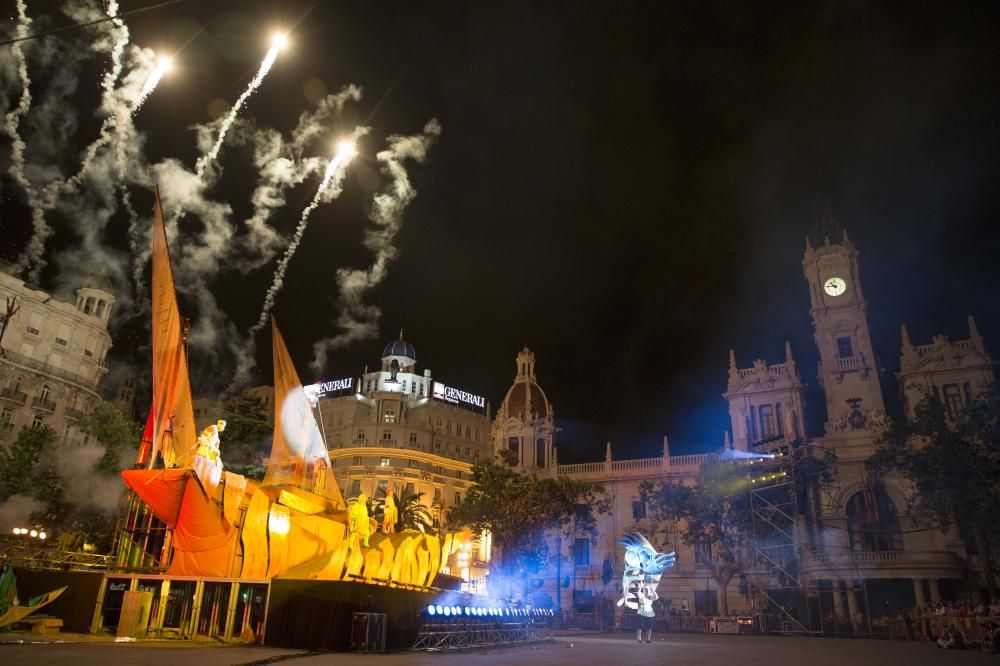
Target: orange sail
(174,434)
(298,454)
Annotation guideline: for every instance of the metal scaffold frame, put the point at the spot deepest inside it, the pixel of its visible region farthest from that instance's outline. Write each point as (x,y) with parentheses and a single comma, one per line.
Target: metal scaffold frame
(796,526)
(457,634)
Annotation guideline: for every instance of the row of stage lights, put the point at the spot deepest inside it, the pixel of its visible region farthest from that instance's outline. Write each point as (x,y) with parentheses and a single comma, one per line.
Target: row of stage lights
(34,534)
(437,610)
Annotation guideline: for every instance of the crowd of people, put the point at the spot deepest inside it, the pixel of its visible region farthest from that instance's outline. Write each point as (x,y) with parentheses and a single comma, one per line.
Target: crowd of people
(954,625)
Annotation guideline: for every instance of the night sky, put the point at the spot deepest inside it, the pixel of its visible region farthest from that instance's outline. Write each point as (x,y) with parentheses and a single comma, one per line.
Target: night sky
(625,187)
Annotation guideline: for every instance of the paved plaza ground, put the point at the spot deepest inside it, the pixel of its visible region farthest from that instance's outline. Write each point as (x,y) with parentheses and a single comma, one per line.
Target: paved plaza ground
(686,650)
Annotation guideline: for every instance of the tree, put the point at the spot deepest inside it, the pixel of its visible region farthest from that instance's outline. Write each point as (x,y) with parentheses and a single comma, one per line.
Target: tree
(19,463)
(246,438)
(114,431)
(413,515)
(518,508)
(954,468)
(716,517)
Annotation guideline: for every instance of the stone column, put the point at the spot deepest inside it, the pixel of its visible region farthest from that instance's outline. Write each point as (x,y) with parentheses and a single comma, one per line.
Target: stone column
(838,599)
(918,591)
(852,603)
(935,590)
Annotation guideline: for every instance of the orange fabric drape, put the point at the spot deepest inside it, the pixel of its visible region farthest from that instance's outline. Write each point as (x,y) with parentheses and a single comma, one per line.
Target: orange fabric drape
(298,446)
(162,490)
(174,432)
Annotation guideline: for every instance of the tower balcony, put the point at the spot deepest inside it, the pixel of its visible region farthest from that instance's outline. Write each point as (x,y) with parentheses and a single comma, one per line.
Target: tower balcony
(843,365)
(884,564)
(43,404)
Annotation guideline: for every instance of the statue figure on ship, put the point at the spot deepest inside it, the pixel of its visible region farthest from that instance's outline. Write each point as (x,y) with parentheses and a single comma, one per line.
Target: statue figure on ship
(359,524)
(390,514)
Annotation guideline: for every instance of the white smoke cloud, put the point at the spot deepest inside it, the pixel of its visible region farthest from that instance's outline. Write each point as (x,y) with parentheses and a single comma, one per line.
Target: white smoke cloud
(83,488)
(16,512)
(357,320)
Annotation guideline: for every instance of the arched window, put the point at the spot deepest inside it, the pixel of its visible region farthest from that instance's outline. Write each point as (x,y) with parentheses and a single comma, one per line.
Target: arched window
(46,391)
(872,521)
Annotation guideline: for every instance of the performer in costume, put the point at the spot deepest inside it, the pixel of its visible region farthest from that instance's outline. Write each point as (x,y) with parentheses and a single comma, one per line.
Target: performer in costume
(643,569)
(389,512)
(359,523)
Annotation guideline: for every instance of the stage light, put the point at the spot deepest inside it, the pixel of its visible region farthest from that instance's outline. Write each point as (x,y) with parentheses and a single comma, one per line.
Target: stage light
(34,533)
(440,611)
(468,611)
(41,535)
(447,611)
(17,530)
(430,609)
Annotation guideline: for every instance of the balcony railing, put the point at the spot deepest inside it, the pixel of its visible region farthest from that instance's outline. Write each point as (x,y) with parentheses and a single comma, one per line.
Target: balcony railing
(42,403)
(47,369)
(14,396)
(74,414)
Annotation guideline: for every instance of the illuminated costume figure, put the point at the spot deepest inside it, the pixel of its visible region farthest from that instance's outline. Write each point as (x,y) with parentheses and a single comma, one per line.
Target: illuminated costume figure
(389,513)
(643,569)
(359,523)
(208,442)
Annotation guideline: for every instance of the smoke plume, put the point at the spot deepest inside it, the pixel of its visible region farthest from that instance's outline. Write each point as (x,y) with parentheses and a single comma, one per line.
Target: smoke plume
(357,320)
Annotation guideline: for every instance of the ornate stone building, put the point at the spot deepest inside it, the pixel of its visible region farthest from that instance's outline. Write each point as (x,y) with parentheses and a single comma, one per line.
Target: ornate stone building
(53,356)
(864,554)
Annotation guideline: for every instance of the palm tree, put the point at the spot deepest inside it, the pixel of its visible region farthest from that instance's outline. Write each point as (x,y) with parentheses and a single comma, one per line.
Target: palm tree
(413,515)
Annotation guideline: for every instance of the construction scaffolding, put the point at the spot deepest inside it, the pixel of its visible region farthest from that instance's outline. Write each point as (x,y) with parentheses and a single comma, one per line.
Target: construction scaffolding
(804,576)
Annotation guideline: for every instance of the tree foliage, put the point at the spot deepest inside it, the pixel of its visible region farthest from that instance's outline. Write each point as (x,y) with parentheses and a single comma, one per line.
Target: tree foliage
(114,431)
(716,518)
(518,508)
(247,436)
(413,515)
(953,466)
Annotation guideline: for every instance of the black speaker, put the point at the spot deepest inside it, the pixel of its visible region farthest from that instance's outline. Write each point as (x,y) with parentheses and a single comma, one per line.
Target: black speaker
(368,632)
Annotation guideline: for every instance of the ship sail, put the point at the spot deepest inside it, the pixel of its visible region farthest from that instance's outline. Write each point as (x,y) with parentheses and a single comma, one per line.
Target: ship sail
(298,455)
(174,434)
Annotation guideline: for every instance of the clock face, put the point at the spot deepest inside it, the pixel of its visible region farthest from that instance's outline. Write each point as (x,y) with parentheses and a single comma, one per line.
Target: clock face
(835,286)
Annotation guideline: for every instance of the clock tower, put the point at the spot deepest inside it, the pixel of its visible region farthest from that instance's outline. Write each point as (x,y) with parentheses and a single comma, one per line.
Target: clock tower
(848,371)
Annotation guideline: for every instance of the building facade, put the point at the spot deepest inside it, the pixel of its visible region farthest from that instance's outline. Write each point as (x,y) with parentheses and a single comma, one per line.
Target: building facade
(54,356)
(868,557)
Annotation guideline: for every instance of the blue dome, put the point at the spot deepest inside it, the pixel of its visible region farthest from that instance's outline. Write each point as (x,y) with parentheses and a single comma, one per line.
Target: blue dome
(400,348)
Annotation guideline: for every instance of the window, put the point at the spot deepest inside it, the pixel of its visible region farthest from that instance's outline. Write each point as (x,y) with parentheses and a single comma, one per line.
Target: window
(478,435)
(384,462)
(438,423)
(468,452)
(767,428)
(583,602)
(387,435)
(458,498)
(360,436)
(355,488)
(33,331)
(340,418)
(706,602)
(468,432)
(408,489)
(383,485)
(413,439)
(844,349)
(638,509)
(412,464)
(100,308)
(540,452)
(46,392)
(475,455)
(703,553)
(37,422)
(6,416)
(389,415)
(448,428)
(357,460)
(514,444)
(777,417)
(437,444)
(437,494)
(872,522)
(581,552)
(952,400)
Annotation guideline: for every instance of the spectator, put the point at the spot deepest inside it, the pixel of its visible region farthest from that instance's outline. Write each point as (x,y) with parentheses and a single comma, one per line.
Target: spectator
(954,641)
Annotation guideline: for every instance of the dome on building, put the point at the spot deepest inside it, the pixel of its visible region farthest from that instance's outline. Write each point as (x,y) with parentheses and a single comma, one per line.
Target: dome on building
(526,400)
(100,282)
(400,347)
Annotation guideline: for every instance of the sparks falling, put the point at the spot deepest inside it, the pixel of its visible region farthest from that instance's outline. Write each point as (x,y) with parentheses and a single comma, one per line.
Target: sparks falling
(334,173)
(278,42)
(163,66)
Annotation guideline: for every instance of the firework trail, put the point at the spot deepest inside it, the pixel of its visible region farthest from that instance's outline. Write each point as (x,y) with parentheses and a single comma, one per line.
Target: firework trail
(12,121)
(111,77)
(334,174)
(277,43)
(358,320)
